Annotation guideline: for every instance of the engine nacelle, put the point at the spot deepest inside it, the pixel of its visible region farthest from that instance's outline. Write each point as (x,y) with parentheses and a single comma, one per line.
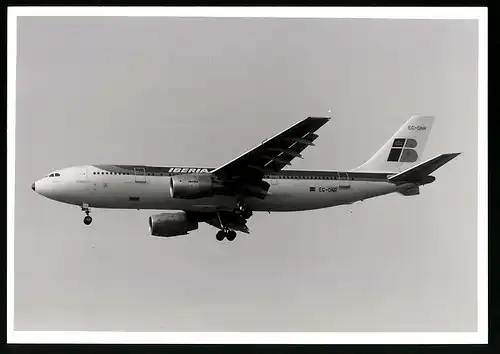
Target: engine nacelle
(193,186)
(171,224)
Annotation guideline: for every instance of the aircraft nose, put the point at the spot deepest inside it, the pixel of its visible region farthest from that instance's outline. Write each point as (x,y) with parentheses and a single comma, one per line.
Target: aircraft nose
(33,186)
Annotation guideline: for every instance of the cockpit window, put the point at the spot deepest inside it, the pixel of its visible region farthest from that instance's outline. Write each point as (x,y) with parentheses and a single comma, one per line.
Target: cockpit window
(57,174)
(51,175)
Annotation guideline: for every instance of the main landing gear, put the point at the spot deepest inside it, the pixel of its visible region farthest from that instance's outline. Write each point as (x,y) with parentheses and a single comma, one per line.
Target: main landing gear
(225,232)
(87,220)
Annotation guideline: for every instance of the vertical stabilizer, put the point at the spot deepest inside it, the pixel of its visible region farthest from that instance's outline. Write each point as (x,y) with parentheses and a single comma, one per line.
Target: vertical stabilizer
(403,150)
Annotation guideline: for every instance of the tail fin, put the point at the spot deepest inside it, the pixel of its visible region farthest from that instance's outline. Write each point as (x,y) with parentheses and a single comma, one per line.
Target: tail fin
(403,150)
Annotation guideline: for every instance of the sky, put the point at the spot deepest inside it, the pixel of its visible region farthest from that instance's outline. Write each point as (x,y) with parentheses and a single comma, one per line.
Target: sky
(199,92)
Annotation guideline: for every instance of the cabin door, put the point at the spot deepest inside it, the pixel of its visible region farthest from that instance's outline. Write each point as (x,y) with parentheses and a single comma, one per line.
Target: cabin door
(344,180)
(140,175)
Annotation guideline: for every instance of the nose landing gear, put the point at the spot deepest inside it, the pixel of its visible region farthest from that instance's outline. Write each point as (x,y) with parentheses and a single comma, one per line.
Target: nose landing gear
(87,220)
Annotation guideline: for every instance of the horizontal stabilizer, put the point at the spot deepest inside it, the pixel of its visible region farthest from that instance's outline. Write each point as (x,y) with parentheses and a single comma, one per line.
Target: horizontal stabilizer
(422,170)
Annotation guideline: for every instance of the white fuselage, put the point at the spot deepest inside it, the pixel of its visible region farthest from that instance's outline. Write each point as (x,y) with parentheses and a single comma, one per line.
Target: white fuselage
(99,188)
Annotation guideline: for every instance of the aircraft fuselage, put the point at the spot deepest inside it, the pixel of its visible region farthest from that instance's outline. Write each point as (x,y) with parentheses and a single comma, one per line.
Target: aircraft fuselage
(147,187)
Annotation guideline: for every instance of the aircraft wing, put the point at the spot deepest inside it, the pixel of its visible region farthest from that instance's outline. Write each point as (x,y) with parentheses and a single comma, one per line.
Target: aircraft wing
(273,154)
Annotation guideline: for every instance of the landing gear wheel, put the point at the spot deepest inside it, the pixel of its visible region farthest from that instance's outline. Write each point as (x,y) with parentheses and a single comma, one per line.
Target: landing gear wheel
(220,235)
(231,235)
(87,219)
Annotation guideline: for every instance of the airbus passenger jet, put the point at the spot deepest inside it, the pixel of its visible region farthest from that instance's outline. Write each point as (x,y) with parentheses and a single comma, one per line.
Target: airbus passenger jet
(226,197)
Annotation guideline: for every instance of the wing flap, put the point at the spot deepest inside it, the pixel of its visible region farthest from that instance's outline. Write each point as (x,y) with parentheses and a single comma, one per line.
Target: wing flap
(230,219)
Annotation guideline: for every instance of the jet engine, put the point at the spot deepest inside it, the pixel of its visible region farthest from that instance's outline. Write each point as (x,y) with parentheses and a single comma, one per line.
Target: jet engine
(171,224)
(193,186)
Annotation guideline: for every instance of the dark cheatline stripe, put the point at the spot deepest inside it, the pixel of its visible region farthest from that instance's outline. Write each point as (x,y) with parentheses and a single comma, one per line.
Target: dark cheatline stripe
(283,174)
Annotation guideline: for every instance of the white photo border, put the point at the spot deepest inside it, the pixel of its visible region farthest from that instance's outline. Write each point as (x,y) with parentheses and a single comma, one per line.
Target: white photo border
(479,337)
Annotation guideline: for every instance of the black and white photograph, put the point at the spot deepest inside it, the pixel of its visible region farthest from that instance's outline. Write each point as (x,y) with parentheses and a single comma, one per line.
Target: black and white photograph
(245,175)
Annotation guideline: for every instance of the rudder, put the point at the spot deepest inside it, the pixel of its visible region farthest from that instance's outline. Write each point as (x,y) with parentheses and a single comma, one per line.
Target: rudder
(403,150)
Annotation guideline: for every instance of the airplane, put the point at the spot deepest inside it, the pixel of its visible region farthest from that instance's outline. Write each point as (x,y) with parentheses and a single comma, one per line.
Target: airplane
(256,181)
